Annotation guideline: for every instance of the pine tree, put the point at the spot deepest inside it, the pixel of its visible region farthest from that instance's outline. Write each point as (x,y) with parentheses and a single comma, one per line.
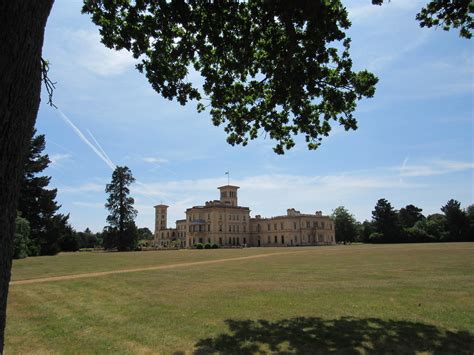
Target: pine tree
(37,203)
(120,206)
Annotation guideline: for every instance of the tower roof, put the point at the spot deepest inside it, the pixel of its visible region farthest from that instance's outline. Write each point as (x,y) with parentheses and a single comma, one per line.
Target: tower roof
(229,187)
(161,205)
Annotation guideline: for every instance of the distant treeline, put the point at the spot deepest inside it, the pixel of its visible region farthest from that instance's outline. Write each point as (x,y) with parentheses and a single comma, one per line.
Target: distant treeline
(407,225)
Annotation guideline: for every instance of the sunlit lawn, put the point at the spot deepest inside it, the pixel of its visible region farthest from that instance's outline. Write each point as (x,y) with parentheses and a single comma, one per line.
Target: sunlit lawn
(364,298)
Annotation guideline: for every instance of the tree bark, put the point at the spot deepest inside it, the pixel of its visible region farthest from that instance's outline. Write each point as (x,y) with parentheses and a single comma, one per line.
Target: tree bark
(22,25)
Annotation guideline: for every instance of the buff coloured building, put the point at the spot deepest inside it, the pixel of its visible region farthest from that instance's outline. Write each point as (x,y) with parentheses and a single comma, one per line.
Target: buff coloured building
(225,223)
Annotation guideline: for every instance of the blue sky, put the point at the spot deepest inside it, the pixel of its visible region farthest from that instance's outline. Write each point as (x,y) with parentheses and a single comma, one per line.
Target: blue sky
(414,143)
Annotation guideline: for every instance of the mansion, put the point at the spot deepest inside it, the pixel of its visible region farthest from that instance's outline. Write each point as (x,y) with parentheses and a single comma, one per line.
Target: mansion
(225,223)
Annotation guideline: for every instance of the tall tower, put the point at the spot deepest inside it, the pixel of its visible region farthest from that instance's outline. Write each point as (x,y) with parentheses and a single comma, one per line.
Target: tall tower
(160,217)
(229,194)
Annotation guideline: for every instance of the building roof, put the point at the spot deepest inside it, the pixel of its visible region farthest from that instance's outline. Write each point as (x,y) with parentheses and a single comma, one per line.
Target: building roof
(161,205)
(228,186)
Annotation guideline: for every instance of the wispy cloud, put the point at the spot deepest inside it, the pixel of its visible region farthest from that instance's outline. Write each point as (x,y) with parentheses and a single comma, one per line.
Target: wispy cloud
(437,167)
(57,158)
(88,204)
(154,160)
(95,57)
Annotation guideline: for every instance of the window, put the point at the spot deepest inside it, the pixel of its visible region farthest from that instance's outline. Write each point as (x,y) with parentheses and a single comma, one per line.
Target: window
(282,239)
(208,216)
(258,227)
(269,241)
(230,228)
(322,225)
(237,217)
(238,241)
(268,226)
(220,227)
(230,240)
(275,226)
(308,224)
(230,217)
(282,225)
(238,229)
(294,225)
(315,224)
(208,227)
(245,240)
(208,240)
(276,239)
(220,240)
(245,228)
(296,238)
(244,217)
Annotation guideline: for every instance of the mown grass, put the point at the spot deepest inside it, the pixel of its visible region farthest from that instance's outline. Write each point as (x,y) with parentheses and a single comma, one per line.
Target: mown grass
(351,299)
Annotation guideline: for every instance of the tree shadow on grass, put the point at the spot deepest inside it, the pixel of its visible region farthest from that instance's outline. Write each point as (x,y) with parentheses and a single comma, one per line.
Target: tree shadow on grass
(309,335)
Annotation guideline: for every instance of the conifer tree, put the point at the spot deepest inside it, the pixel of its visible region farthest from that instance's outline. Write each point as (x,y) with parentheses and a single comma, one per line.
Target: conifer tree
(37,203)
(122,213)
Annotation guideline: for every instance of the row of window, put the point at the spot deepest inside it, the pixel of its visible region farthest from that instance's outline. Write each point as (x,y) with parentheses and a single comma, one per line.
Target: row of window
(315,224)
(232,217)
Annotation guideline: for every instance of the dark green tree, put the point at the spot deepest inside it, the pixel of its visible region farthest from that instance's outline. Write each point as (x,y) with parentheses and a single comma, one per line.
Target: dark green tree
(409,215)
(37,203)
(144,234)
(385,220)
(22,238)
(121,211)
(456,220)
(268,66)
(345,225)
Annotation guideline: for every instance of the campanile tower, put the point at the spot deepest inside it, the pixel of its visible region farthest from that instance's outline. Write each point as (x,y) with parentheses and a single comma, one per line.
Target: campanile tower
(229,195)
(161,212)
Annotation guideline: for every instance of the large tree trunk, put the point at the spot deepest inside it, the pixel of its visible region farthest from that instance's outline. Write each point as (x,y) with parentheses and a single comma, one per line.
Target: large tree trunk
(22,25)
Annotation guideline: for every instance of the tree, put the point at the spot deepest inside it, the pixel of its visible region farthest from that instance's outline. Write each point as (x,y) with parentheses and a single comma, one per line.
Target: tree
(276,57)
(144,234)
(37,203)
(22,25)
(470,218)
(22,238)
(345,225)
(409,215)
(456,220)
(447,14)
(120,206)
(385,221)
(268,66)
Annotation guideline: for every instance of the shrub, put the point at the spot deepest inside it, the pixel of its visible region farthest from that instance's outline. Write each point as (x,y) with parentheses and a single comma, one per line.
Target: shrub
(199,246)
(207,246)
(215,246)
(376,237)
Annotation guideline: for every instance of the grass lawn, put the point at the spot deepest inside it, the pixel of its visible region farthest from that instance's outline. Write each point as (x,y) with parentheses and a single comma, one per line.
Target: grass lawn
(350,299)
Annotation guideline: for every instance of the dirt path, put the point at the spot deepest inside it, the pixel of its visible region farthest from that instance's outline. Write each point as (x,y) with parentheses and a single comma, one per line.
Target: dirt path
(148,268)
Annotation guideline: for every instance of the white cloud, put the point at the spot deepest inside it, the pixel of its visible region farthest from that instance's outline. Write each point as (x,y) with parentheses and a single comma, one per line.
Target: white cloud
(155,160)
(438,167)
(57,158)
(91,54)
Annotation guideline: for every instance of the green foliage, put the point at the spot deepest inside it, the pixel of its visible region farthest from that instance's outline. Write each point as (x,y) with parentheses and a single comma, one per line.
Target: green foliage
(122,212)
(376,237)
(385,220)
(456,220)
(207,246)
(215,246)
(69,241)
(199,246)
(409,215)
(37,203)
(345,225)
(21,239)
(446,14)
(278,68)
(144,234)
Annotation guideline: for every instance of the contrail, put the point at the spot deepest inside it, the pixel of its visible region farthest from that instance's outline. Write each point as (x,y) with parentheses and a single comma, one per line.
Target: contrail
(100,147)
(85,140)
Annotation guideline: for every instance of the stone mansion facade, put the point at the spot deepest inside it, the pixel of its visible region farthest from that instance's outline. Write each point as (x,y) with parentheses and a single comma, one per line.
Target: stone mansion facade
(227,224)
